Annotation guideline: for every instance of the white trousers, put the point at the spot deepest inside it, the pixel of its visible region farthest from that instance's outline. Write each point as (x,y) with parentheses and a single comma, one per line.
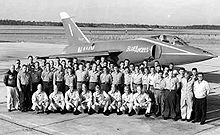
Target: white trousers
(12,98)
(186,105)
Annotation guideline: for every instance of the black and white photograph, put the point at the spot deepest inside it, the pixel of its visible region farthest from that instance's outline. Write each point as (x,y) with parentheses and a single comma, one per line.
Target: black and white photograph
(109,67)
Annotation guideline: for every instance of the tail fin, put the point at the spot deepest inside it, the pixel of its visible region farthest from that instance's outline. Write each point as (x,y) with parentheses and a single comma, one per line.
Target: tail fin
(73,33)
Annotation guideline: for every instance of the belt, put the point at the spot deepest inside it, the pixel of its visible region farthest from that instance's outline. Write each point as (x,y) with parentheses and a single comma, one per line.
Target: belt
(47,82)
(93,82)
(137,84)
(81,81)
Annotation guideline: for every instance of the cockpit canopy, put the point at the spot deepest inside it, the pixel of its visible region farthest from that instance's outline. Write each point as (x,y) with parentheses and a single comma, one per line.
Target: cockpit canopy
(170,39)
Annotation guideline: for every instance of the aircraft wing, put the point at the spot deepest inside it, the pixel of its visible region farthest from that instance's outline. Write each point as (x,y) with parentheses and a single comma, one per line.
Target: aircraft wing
(83,55)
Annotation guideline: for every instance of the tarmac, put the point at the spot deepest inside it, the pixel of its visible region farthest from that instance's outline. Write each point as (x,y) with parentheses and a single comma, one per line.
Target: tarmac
(98,124)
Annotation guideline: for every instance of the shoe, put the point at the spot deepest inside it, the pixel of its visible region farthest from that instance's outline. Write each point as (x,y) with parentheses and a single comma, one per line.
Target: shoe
(147,115)
(183,119)
(188,120)
(175,119)
(194,121)
(202,123)
(9,110)
(165,118)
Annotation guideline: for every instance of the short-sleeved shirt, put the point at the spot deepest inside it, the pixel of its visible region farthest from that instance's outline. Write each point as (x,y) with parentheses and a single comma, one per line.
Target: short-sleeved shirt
(24,78)
(152,78)
(187,86)
(127,98)
(171,83)
(202,89)
(159,83)
(81,75)
(87,96)
(141,98)
(59,76)
(47,76)
(100,97)
(70,80)
(127,78)
(137,78)
(106,78)
(145,80)
(93,76)
(115,96)
(57,97)
(117,78)
(38,97)
(72,96)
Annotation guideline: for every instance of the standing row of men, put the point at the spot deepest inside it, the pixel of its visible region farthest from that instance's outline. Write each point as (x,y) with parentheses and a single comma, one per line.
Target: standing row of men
(169,92)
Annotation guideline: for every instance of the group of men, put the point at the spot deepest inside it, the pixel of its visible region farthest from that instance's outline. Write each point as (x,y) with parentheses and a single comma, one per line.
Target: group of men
(102,86)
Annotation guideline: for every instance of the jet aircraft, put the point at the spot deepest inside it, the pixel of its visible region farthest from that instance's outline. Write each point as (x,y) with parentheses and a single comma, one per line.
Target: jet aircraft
(163,48)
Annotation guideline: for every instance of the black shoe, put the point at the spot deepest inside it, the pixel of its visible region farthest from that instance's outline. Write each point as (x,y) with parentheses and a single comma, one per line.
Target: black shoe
(188,120)
(106,113)
(194,121)
(202,123)
(9,110)
(183,119)
(165,118)
(175,119)
(147,115)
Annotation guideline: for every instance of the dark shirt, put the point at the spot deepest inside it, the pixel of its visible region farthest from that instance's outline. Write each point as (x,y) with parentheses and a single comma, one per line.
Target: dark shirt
(10,79)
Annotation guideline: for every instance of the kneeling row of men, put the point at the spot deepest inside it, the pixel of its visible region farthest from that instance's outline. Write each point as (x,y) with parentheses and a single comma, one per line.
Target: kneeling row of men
(76,102)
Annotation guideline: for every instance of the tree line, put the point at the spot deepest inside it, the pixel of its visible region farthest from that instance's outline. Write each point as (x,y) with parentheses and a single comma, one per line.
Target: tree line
(107,25)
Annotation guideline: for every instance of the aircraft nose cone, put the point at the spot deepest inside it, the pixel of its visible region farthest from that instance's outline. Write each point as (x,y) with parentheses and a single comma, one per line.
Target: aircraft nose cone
(208,55)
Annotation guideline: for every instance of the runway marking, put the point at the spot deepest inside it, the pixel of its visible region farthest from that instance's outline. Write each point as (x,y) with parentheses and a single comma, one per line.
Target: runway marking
(213,111)
(30,123)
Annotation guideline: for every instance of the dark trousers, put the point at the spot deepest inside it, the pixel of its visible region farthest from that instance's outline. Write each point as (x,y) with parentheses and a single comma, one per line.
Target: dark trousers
(92,86)
(48,87)
(34,87)
(66,88)
(200,109)
(25,97)
(170,104)
(60,86)
(105,87)
(121,88)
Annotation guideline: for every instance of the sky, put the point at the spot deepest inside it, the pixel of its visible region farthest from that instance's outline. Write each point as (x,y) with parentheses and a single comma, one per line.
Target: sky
(161,12)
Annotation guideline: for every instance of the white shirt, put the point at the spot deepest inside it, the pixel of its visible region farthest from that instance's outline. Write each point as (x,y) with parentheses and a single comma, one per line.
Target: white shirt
(201,90)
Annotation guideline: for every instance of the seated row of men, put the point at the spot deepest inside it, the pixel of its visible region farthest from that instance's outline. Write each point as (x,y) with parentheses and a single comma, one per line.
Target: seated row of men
(76,102)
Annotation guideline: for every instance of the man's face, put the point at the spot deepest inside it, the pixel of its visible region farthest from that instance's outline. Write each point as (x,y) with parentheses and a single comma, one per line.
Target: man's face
(152,70)
(97,89)
(60,67)
(200,77)
(94,67)
(186,75)
(18,63)
(115,69)
(24,69)
(36,65)
(160,75)
(12,68)
(136,69)
(194,72)
(131,67)
(30,59)
(39,87)
(48,66)
(81,67)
